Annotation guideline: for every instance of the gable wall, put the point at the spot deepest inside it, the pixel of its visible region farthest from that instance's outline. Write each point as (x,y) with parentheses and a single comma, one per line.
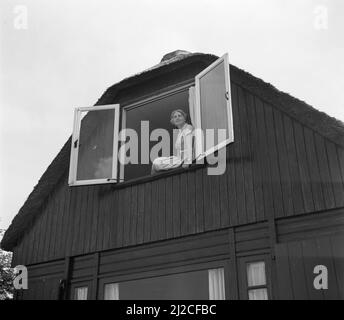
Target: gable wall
(276,168)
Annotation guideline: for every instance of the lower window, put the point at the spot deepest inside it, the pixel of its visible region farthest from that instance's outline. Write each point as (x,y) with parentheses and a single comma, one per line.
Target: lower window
(195,285)
(256,281)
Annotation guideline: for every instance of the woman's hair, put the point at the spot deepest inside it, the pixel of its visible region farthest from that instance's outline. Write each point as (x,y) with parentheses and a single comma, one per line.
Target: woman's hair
(185,115)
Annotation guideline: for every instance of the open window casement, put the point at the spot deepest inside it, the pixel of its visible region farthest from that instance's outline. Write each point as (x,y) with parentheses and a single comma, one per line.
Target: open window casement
(94,145)
(213,109)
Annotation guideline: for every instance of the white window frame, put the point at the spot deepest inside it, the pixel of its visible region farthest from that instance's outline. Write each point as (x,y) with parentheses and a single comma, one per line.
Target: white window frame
(199,143)
(72,181)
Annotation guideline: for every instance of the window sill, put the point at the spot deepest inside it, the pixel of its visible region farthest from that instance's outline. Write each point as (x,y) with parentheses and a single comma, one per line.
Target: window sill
(157,176)
(148,178)
(194,166)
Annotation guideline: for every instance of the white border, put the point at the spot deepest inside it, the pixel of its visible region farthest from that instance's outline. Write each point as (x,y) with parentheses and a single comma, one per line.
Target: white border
(199,145)
(72,181)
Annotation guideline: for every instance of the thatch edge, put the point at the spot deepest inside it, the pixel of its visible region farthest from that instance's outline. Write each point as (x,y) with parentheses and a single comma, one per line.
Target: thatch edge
(319,121)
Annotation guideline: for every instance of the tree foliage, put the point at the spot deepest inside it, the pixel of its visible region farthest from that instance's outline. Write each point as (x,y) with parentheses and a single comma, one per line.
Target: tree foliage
(6,273)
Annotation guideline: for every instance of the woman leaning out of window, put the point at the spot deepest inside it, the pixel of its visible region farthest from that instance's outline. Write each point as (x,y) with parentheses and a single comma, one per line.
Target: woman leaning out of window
(183,145)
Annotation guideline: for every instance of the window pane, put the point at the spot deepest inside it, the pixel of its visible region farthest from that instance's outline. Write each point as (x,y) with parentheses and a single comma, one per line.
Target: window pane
(213,103)
(96,145)
(111,291)
(183,286)
(256,274)
(80,293)
(158,114)
(216,284)
(258,294)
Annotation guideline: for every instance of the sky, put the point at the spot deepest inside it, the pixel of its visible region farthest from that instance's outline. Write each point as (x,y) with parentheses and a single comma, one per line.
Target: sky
(56,55)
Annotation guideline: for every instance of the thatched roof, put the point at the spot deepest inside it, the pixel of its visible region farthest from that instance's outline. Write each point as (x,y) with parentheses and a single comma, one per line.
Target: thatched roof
(318,121)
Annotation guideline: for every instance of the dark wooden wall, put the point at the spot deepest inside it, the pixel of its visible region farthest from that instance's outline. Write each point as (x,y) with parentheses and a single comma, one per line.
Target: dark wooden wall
(303,243)
(277,167)
(295,268)
(43,282)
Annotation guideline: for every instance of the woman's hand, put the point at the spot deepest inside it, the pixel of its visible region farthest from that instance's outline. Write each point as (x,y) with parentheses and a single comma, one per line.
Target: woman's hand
(185,165)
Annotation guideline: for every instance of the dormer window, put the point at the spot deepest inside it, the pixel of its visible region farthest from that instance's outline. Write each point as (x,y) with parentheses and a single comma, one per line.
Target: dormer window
(146,118)
(113,143)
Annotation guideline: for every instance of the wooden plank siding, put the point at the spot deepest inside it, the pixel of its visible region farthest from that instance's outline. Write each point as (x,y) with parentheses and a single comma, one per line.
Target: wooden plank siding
(304,242)
(295,268)
(43,281)
(276,167)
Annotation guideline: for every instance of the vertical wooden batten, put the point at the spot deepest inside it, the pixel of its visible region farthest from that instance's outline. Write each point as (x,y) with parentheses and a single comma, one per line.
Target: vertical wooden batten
(233,275)
(94,291)
(66,277)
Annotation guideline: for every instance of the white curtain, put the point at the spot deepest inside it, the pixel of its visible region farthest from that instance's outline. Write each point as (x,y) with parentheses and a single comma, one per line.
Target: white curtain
(216,284)
(81,293)
(256,274)
(192,105)
(111,291)
(258,294)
